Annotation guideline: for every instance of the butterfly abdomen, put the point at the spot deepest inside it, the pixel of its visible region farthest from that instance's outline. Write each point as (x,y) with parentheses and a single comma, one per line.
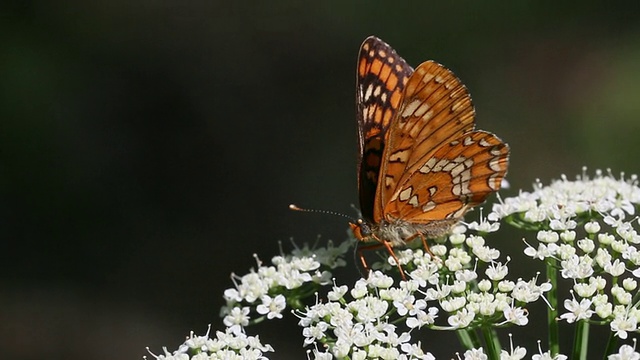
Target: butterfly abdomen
(399,232)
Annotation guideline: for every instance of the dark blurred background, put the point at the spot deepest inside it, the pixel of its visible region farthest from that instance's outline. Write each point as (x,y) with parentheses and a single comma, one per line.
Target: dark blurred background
(149,148)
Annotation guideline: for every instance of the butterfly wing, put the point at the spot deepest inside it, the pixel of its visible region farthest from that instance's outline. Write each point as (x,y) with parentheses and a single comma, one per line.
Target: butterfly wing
(435,166)
(380,80)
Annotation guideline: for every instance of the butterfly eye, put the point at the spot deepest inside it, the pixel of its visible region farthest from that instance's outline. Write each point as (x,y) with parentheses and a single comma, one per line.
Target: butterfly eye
(365,229)
(361,230)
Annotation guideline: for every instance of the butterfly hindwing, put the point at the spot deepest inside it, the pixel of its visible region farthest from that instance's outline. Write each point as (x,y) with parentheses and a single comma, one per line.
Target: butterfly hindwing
(380,80)
(459,175)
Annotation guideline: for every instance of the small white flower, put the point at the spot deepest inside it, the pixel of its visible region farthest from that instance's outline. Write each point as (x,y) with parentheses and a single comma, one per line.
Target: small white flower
(379,279)
(544,251)
(461,319)
(414,351)
(576,267)
(439,250)
(453,304)
(604,310)
(404,305)
(484,285)
(425,273)
(466,275)
(586,245)
(272,307)
(475,354)
(629,284)
(359,289)
(584,290)
(565,251)
(237,316)
(419,317)
(496,271)
(506,286)
(603,257)
(485,307)
(547,356)
(620,246)
(395,294)
(623,324)
(623,297)
(616,268)
(474,240)
(516,315)
(626,352)
(598,281)
(528,291)
(304,263)
(516,353)
(337,292)
(459,286)
(577,310)
(605,239)
(457,239)
(315,332)
(547,236)
(592,227)
(369,308)
(568,235)
(485,253)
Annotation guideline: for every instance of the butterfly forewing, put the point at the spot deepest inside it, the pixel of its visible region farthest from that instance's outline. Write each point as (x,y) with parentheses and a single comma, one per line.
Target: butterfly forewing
(436,109)
(380,80)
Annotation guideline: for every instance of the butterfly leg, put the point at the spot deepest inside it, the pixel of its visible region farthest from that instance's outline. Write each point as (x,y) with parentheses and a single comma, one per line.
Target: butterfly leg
(381,244)
(424,242)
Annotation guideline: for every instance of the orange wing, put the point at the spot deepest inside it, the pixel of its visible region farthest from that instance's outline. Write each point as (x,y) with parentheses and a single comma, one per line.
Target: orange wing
(435,166)
(380,79)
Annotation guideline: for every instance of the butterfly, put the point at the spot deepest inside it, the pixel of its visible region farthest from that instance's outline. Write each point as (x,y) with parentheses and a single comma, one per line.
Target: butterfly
(422,164)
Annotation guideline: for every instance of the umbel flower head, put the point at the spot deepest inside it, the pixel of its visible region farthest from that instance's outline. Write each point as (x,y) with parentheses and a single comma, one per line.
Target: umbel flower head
(587,228)
(585,233)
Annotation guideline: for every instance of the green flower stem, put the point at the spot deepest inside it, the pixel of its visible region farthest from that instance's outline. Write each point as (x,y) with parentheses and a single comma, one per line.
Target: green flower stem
(492,342)
(552,312)
(468,339)
(611,345)
(581,340)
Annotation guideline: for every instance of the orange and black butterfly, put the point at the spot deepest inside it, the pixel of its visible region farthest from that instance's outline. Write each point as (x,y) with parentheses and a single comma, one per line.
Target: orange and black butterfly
(422,164)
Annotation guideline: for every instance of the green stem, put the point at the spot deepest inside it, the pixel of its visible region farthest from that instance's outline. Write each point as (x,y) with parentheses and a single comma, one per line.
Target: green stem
(492,342)
(581,340)
(611,345)
(468,339)
(552,312)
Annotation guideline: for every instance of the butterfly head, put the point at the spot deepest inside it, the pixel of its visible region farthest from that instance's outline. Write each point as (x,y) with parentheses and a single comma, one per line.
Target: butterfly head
(361,229)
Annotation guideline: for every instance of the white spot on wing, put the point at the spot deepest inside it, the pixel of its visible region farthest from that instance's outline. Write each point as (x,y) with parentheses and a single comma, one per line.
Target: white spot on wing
(367,94)
(414,201)
(406,193)
(468,141)
(429,206)
(494,164)
(410,108)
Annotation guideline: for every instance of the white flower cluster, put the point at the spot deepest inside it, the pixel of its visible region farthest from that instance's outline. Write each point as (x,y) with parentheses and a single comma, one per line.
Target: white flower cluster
(587,228)
(264,289)
(361,329)
(227,345)
(625,352)
(463,280)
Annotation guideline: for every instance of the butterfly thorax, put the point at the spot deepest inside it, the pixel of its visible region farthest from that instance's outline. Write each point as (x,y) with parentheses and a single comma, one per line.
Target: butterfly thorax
(399,232)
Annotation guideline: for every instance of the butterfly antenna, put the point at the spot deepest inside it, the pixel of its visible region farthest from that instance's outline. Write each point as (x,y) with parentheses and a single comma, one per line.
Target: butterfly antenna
(296,208)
